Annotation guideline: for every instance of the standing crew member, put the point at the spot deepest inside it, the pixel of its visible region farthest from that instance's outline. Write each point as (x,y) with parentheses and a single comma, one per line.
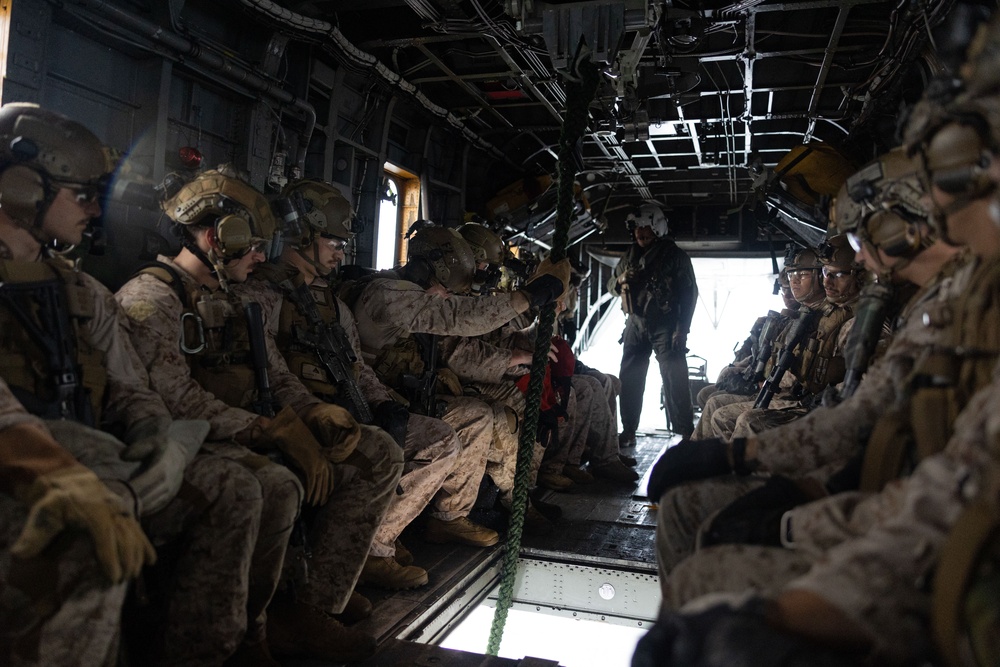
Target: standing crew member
(659,293)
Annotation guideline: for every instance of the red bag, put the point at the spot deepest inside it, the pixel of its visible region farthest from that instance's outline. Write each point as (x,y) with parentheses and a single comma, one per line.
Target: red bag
(549,398)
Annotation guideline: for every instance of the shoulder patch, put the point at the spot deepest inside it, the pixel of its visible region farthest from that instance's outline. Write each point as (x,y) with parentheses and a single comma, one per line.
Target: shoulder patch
(140,310)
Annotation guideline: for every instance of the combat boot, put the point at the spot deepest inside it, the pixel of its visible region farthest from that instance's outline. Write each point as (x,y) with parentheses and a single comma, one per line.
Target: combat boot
(614,471)
(461,531)
(550,511)
(577,475)
(402,555)
(358,608)
(297,630)
(536,524)
(554,481)
(386,572)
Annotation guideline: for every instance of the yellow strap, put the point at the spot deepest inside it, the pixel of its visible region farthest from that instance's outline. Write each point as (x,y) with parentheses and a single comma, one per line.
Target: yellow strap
(885,454)
(959,556)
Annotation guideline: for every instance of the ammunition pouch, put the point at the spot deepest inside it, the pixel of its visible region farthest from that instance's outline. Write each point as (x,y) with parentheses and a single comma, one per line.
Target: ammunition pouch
(399,364)
(215,338)
(820,367)
(54,373)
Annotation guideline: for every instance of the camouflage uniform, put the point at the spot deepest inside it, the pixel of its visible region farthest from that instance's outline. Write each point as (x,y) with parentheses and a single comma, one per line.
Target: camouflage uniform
(661,306)
(589,427)
(825,440)
(213,501)
(342,530)
(870,556)
(717,401)
(437,468)
(785,407)
(505,400)
(58,608)
(388,311)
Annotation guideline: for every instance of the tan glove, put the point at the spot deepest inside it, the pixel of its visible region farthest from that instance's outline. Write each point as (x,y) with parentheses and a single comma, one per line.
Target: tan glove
(560,270)
(546,285)
(335,428)
(73,497)
(447,378)
(296,441)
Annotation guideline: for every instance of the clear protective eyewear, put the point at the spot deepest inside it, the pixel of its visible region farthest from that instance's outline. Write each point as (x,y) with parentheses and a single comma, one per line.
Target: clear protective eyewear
(335,243)
(799,273)
(836,275)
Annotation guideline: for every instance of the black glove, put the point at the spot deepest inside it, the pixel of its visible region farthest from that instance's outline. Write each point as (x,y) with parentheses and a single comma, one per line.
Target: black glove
(755,518)
(393,418)
(687,461)
(543,290)
(730,635)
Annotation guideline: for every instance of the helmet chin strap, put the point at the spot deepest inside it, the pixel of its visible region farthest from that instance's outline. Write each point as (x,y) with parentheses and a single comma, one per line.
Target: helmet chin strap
(211,260)
(313,261)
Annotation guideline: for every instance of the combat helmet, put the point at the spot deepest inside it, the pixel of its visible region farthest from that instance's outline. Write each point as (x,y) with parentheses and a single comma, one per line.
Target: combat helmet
(487,248)
(319,210)
(442,254)
(40,152)
(324,208)
(804,258)
(240,215)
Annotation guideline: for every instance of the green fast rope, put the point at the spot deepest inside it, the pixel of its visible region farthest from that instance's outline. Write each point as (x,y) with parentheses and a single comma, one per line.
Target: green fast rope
(578,97)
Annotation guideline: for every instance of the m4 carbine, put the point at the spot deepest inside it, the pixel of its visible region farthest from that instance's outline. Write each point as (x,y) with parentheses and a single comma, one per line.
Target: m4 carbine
(264,403)
(329,342)
(864,336)
(797,333)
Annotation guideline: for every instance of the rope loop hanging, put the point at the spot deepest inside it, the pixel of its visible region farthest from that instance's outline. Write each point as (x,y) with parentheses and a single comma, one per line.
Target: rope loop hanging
(581,84)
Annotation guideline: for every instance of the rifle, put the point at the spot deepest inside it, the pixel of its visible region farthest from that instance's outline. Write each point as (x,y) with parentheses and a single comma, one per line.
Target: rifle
(800,328)
(264,403)
(264,406)
(329,342)
(53,332)
(425,391)
(754,373)
(864,336)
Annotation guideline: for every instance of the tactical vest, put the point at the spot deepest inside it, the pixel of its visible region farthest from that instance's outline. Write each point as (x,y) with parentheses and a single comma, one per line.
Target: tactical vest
(214,338)
(72,388)
(302,361)
(816,366)
(819,365)
(942,381)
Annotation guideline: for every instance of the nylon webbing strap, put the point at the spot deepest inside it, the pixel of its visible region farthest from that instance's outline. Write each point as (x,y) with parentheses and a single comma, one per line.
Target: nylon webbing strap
(578,96)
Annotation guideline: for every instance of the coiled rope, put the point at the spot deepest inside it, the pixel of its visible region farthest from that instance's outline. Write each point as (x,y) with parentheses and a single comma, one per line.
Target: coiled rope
(579,92)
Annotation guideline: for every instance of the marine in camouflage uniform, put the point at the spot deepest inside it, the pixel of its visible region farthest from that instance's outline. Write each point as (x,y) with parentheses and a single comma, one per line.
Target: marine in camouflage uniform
(60,604)
(821,364)
(821,351)
(113,387)
(659,295)
(439,471)
(768,326)
(424,298)
(350,471)
(871,557)
(817,446)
